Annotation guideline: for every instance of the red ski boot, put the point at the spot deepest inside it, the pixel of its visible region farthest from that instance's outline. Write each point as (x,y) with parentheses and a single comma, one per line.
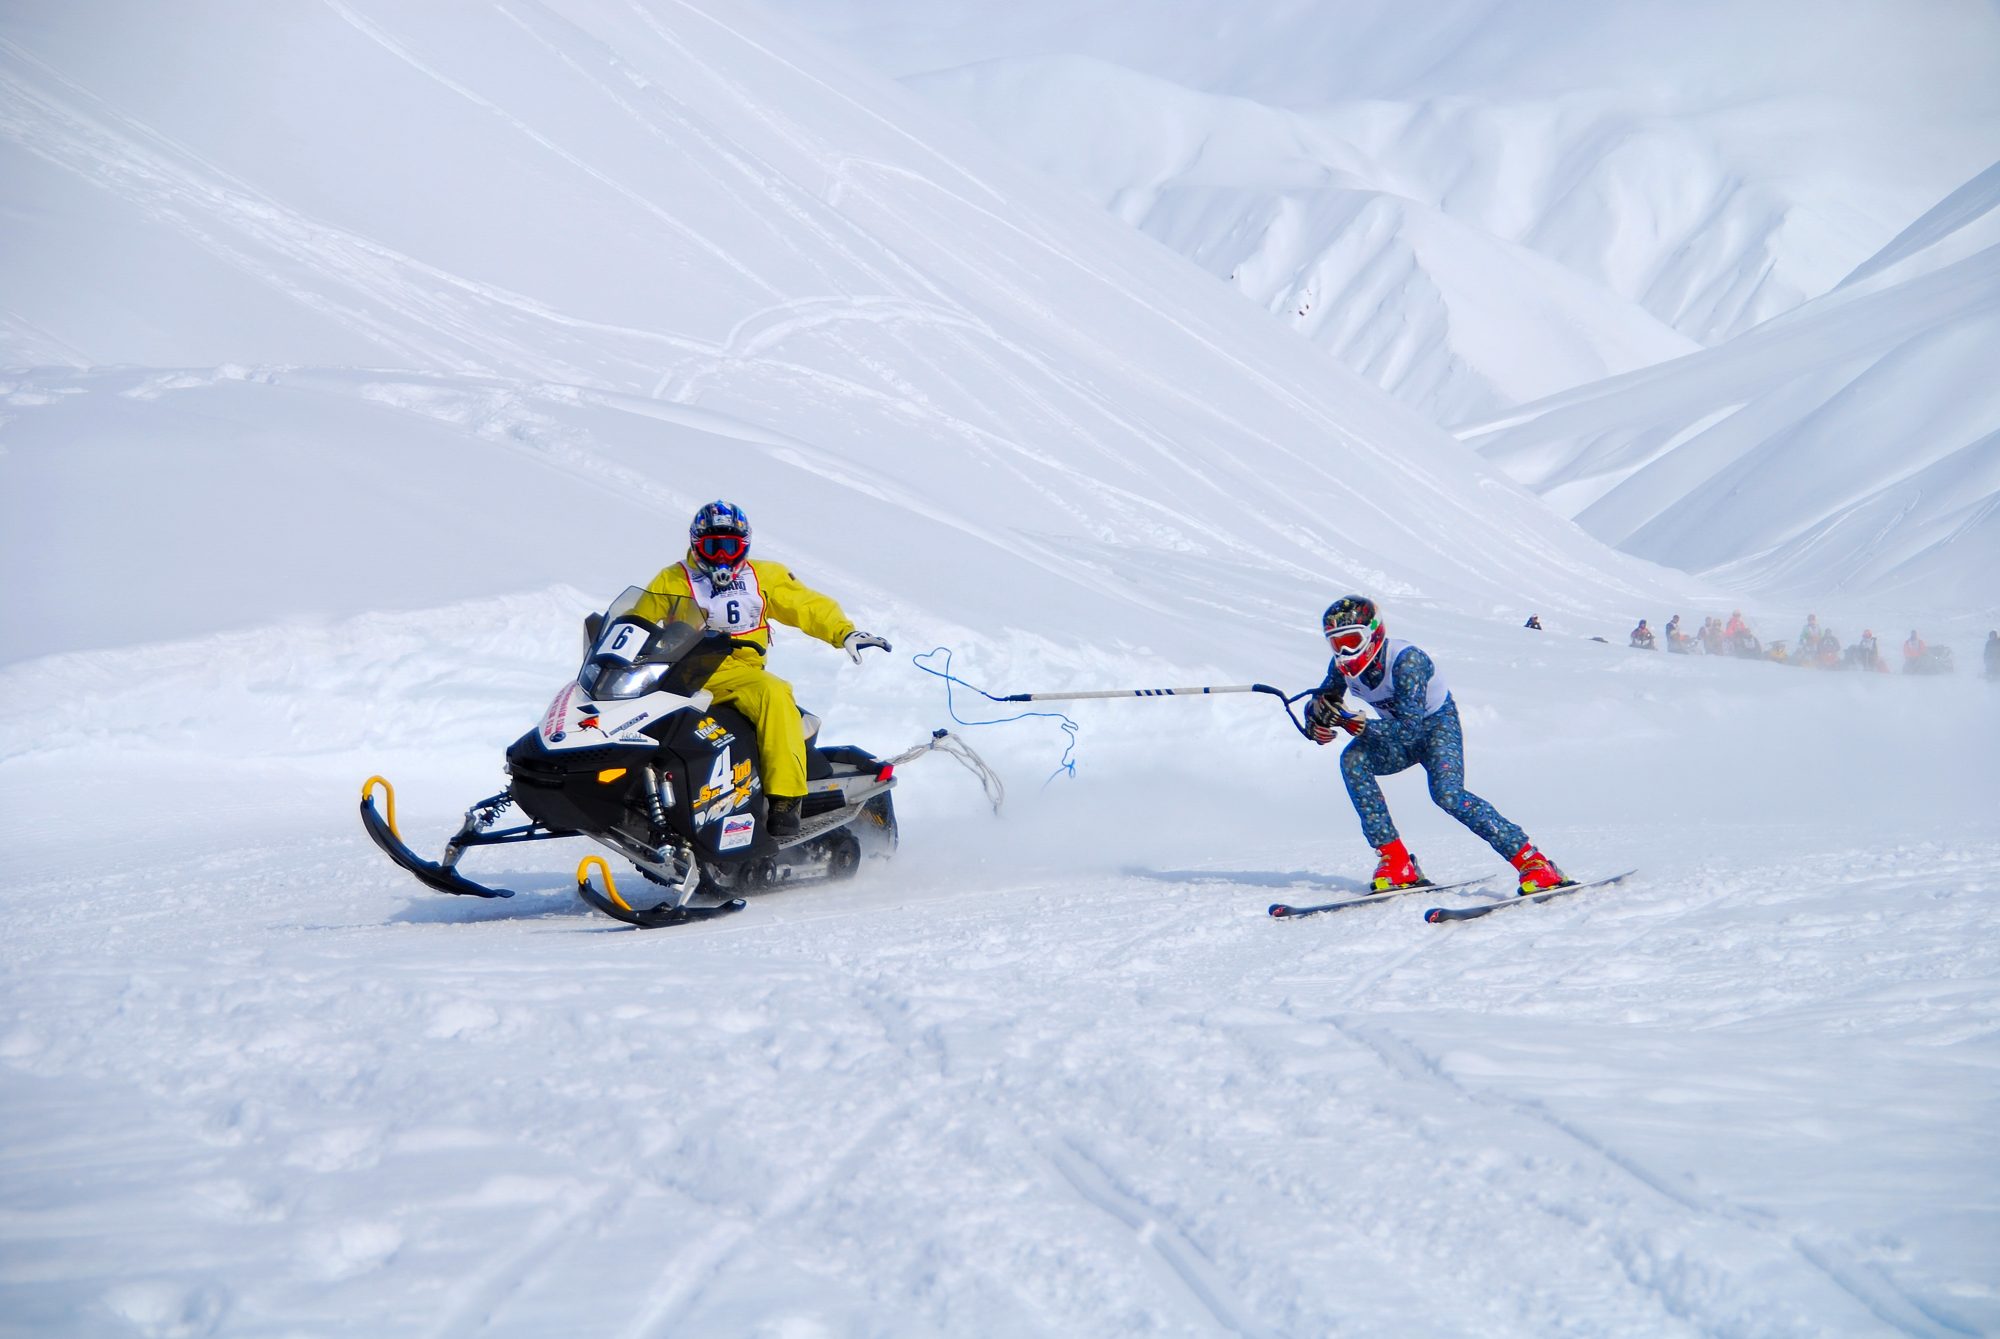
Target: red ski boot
(1538,872)
(1397,869)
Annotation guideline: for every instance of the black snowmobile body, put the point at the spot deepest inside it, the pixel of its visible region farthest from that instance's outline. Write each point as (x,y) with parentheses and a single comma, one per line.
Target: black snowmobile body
(635,755)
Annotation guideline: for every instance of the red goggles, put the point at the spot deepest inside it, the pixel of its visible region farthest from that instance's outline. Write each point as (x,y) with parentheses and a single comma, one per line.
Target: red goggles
(1349,639)
(723,548)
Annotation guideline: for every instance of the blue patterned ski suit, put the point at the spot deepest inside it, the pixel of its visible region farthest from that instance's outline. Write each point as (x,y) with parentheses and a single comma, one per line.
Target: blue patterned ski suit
(1404,737)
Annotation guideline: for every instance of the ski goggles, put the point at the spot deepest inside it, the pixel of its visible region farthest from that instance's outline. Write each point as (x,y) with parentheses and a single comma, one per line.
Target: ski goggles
(1349,638)
(723,548)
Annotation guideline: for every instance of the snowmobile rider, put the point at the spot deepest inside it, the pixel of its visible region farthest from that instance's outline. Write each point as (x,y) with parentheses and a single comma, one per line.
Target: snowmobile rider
(1417,725)
(741,595)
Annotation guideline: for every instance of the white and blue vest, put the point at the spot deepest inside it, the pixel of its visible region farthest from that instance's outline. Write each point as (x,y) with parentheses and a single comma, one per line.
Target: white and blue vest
(1382,696)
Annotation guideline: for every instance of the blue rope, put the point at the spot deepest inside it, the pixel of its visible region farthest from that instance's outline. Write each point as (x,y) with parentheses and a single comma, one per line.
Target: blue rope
(1069,727)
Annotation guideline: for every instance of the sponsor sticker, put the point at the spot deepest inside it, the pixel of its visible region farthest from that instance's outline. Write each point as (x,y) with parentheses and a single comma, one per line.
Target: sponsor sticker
(736,833)
(552,719)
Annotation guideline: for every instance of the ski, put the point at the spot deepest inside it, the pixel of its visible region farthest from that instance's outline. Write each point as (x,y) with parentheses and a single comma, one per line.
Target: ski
(1439,915)
(655,918)
(1284,911)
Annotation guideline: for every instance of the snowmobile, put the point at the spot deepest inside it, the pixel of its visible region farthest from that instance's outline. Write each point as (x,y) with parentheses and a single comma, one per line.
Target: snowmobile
(635,755)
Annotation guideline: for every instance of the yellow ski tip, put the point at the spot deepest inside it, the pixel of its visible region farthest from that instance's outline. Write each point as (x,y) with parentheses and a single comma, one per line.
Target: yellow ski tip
(389,804)
(610,886)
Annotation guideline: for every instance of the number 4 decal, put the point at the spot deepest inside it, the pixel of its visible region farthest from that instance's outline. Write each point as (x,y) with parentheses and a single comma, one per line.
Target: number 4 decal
(718,776)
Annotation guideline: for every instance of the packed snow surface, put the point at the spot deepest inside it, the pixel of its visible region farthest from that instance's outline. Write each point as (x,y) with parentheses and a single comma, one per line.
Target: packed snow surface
(357,351)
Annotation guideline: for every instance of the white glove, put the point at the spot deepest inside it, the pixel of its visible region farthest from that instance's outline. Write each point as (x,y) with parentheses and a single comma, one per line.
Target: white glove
(857,642)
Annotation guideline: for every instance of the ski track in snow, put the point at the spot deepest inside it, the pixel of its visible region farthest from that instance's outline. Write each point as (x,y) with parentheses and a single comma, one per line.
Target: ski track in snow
(922,1006)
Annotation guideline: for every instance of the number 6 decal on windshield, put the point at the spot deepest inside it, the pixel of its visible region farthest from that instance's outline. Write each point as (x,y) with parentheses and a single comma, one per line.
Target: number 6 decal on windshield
(615,639)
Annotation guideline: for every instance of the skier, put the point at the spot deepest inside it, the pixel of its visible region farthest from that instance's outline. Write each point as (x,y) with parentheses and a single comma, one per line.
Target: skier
(1417,725)
(740,596)
(1642,637)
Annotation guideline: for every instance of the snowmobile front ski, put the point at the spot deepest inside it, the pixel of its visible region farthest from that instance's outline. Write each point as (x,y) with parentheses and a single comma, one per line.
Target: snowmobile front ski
(1439,915)
(1284,911)
(614,905)
(381,826)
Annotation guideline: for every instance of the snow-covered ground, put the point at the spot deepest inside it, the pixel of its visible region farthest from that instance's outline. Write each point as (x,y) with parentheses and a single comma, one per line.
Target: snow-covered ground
(359,350)
(1054,1073)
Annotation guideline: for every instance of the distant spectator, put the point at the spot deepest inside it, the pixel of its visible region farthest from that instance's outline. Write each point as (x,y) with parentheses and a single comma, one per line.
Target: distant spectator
(1866,653)
(1913,651)
(1809,636)
(1993,655)
(1828,656)
(1642,637)
(1740,640)
(1711,635)
(1534,621)
(1677,641)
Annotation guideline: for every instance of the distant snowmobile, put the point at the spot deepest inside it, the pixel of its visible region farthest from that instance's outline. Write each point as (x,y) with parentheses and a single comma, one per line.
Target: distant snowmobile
(634,755)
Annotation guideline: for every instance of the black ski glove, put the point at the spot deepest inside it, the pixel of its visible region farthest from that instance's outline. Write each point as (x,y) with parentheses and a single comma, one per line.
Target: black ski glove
(1325,717)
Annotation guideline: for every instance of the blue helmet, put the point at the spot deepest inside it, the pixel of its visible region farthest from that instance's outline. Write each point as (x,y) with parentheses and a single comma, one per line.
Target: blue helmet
(719,538)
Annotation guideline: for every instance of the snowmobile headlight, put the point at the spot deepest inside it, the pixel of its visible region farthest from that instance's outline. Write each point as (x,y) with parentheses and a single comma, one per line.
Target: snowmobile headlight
(623,681)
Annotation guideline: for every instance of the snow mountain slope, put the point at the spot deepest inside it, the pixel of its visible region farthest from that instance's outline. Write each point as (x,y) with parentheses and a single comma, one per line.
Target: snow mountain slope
(1686,168)
(362,347)
(1288,210)
(1850,446)
(821,275)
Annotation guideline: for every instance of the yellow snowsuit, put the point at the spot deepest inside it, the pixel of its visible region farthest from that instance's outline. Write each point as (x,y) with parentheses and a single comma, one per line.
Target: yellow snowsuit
(770,592)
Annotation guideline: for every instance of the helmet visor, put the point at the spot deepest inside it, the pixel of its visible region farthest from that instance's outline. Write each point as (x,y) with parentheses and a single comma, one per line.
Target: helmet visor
(723,548)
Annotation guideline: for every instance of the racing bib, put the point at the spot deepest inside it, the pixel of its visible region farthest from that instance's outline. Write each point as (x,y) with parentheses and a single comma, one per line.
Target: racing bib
(736,610)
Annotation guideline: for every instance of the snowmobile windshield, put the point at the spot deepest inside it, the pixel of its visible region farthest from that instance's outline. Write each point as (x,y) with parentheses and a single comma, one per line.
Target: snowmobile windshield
(648,643)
